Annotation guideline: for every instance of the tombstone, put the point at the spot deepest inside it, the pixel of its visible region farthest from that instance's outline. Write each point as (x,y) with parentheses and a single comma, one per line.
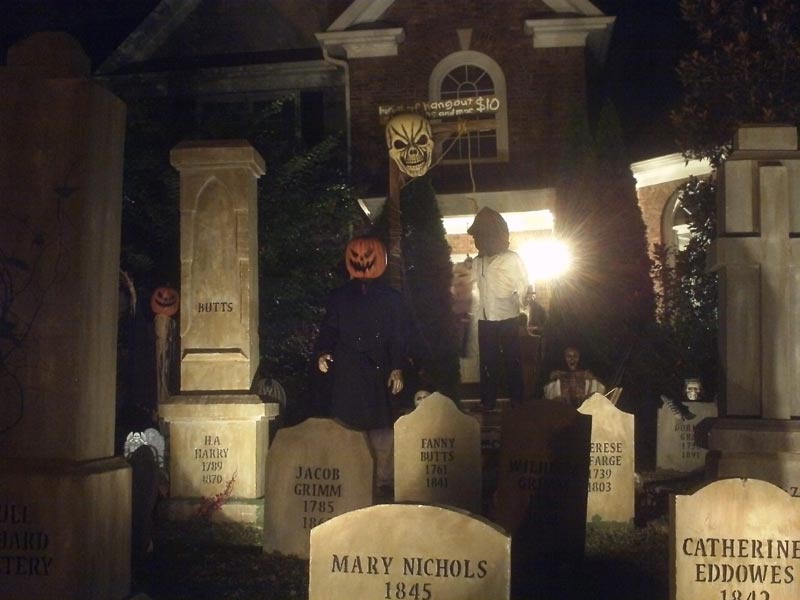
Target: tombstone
(219,431)
(735,539)
(316,471)
(437,456)
(65,500)
(756,255)
(611,462)
(543,479)
(401,552)
(676,446)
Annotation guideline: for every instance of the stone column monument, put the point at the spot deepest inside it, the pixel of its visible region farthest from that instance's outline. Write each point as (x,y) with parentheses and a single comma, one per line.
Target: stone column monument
(757,255)
(218,430)
(65,501)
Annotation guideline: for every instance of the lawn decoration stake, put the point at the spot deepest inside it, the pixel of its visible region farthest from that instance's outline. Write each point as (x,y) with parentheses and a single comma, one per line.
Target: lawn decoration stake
(164,303)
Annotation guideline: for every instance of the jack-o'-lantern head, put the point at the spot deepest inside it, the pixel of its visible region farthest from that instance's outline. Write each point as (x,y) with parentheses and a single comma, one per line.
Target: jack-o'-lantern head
(365,258)
(165,301)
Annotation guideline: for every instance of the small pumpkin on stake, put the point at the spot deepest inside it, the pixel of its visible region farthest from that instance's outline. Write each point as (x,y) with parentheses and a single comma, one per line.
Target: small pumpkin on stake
(165,301)
(365,258)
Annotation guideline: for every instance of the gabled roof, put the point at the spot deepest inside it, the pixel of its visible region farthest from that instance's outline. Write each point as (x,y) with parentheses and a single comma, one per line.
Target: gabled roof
(369,11)
(574,22)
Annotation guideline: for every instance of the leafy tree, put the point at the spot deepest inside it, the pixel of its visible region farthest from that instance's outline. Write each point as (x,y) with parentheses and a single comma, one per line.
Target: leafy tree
(306,215)
(606,303)
(687,298)
(427,276)
(744,69)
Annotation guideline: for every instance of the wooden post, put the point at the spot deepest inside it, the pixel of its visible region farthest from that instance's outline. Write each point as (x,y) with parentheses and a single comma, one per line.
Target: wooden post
(395,265)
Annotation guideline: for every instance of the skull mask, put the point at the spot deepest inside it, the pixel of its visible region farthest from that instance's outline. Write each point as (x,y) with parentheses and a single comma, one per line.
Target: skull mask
(410,142)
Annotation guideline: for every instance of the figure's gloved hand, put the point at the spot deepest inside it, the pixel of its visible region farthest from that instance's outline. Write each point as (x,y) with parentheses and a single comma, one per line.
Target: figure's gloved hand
(323,362)
(395,382)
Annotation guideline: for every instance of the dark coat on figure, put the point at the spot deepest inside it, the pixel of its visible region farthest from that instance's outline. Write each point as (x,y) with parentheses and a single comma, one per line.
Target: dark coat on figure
(364,329)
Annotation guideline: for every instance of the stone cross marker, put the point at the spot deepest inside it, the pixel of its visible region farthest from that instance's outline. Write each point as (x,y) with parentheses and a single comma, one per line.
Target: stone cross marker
(65,500)
(402,552)
(316,471)
(735,539)
(543,476)
(676,448)
(611,462)
(757,255)
(437,456)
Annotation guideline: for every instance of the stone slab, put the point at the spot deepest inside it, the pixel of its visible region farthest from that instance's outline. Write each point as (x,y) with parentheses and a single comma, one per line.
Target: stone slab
(214,439)
(611,462)
(778,468)
(61,204)
(407,551)
(437,456)
(765,137)
(754,435)
(735,539)
(65,529)
(219,263)
(543,473)
(676,448)
(316,471)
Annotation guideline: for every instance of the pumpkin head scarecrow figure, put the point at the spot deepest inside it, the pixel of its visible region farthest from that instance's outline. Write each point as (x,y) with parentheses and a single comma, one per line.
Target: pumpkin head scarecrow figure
(362,347)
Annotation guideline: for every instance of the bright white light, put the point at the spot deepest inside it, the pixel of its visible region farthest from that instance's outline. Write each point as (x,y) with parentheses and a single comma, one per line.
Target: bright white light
(545,259)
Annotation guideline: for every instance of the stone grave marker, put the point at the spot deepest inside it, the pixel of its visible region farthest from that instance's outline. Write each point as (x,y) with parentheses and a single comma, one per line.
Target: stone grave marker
(675,442)
(543,478)
(316,471)
(611,462)
(404,552)
(437,456)
(735,539)
(65,499)
(219,432)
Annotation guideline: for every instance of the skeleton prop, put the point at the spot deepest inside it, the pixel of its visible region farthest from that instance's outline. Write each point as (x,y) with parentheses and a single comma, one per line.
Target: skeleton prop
(410,141)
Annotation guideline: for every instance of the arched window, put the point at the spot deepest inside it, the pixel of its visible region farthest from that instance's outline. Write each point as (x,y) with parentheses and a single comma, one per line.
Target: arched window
(675,223)
(464,74)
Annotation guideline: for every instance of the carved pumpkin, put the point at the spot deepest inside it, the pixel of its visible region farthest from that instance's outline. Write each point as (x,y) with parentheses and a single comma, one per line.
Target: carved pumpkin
(165,301)
(365,258)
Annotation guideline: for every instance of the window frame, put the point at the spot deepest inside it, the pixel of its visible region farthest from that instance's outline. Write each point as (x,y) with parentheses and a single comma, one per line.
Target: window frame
(487,64)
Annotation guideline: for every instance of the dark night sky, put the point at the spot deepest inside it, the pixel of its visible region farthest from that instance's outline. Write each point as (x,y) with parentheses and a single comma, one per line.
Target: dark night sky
(648,39)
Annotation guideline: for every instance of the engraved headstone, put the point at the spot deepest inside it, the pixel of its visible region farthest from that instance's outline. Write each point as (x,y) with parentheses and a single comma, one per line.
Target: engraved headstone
(543,477)
(437,456)
(316,471)
(219,432)
(65,508)
(611,462)
(401,552)
(735,539)
(676,448)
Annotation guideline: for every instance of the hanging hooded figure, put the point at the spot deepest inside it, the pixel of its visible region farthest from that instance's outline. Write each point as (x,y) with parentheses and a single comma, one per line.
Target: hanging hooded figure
(503,291)
(362,346)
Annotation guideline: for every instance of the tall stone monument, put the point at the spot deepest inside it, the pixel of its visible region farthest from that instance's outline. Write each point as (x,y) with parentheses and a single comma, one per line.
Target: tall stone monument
(757,255)
(219,431)
(65,501)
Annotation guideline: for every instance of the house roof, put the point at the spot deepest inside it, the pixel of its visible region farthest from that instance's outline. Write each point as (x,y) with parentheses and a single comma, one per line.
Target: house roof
(293,26)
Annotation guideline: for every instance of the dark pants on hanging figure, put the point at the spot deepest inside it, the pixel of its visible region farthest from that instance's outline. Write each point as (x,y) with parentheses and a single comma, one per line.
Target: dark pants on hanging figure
(499,341)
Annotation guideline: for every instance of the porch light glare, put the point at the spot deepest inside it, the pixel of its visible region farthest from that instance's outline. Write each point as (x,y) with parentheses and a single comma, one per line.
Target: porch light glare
(545,259)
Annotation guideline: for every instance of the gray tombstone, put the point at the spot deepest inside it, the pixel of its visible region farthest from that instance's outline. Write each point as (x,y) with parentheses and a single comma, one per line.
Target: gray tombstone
(437,455)
(676,449)
(611,462)
(409,552)
(316,471)
(735,539)
(543,478)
